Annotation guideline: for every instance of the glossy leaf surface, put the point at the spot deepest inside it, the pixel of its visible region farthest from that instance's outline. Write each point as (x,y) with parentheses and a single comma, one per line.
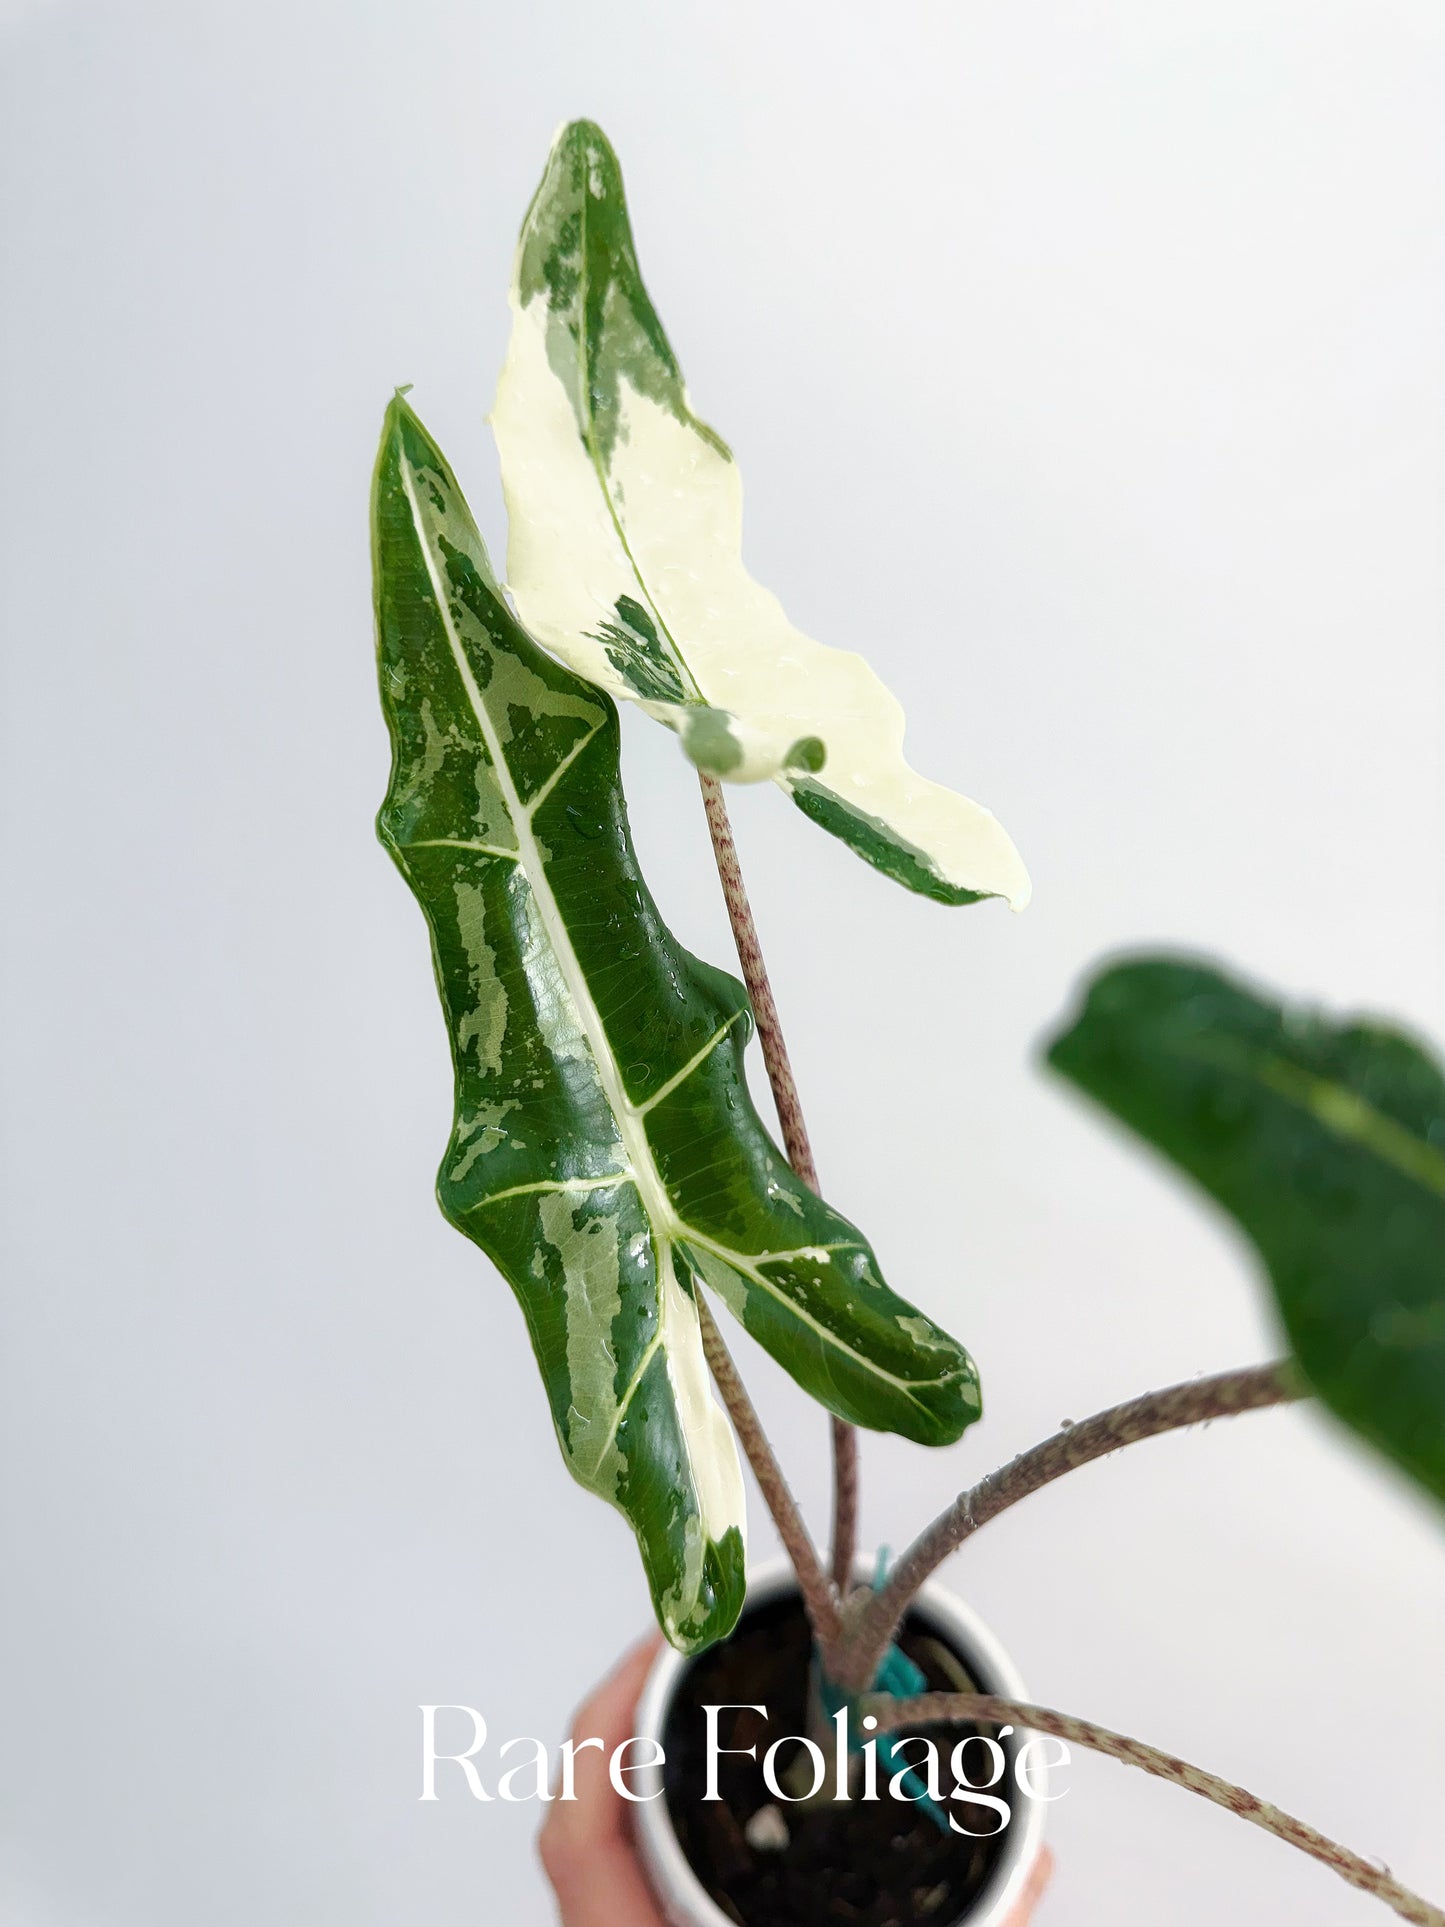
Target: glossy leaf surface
(1326,1142)
(625,556)
(604,1152)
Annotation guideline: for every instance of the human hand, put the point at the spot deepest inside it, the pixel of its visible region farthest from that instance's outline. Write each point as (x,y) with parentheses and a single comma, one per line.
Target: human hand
(586,1844)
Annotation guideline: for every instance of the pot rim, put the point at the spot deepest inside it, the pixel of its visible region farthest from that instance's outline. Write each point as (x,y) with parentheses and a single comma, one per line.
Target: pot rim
(682,1895)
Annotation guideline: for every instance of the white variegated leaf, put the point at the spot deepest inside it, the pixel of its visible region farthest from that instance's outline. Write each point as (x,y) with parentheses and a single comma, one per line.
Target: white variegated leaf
(625,556)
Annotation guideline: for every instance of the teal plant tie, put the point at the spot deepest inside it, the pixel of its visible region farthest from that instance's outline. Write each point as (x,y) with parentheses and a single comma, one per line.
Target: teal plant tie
(899,1678)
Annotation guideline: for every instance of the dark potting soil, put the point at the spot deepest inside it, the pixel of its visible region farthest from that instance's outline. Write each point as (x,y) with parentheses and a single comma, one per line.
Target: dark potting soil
(857,1864)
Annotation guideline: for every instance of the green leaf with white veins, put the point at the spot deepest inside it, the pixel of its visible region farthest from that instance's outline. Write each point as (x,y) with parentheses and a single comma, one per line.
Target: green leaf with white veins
(625,556)
(604,1152)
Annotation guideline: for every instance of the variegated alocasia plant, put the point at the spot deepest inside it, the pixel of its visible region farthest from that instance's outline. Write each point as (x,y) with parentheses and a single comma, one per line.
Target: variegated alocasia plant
(605,1152)
(625,556)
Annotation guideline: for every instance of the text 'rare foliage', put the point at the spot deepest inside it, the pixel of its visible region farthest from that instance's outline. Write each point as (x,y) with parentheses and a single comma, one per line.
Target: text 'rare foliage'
(605,1152)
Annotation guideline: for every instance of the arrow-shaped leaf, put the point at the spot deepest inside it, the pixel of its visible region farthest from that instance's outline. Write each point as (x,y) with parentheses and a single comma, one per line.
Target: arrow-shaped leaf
(605,1152)
(1327,1143)
(625,556)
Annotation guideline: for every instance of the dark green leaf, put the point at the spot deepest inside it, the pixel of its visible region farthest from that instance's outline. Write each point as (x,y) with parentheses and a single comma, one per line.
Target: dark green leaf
(605,1152)
(1327,1142)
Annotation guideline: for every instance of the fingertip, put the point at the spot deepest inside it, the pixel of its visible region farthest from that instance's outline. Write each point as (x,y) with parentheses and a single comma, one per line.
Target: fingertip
(608,1710)
(1041,1873)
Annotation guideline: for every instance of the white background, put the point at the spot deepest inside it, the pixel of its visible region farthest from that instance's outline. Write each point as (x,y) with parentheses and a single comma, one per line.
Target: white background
(1083,362)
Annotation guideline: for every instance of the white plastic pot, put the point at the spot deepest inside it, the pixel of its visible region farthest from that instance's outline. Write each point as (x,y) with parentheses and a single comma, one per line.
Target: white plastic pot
(680,1894)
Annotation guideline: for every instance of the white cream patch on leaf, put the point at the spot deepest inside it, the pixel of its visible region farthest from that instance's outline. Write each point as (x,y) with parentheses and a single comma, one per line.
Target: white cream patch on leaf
(591,1271)
(717,1473)
(553,1005)
(483,1129)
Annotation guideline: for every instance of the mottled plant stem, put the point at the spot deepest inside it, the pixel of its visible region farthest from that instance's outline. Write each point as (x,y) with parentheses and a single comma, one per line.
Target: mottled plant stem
(845,1506)
(929,1709)
(813,1583)
(795,1131)
(1139,1418)
(755,976)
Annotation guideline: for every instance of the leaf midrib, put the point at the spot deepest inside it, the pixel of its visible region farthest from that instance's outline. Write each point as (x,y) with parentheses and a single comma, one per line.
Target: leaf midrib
(1336,1107)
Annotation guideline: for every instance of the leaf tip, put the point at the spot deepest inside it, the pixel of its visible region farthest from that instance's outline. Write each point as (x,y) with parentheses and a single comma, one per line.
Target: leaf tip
(398,411)
(584,137)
